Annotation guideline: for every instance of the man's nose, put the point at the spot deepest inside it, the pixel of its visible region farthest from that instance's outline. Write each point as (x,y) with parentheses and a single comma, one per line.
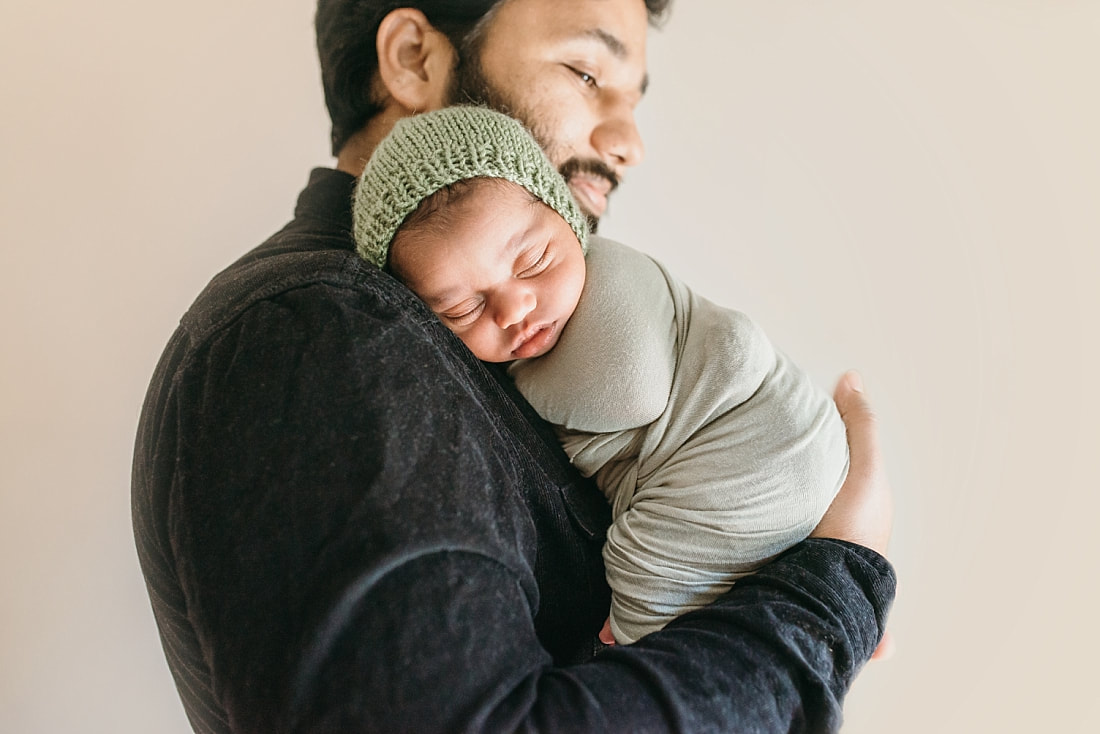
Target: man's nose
(513,305)
(617,139)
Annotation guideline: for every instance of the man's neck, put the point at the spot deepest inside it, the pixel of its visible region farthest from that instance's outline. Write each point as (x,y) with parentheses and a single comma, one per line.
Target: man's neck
(359,147)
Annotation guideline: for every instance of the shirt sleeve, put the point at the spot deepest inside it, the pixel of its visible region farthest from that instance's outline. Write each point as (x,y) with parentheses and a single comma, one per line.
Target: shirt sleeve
(445,644)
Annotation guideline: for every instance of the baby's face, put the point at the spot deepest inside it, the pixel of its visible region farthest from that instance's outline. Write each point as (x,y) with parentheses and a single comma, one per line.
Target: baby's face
(505,277)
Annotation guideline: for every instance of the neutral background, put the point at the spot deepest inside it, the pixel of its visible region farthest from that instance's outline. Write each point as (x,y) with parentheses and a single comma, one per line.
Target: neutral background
(908,188)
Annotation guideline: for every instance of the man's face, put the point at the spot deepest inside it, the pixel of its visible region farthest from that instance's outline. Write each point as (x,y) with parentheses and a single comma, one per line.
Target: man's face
(573,71)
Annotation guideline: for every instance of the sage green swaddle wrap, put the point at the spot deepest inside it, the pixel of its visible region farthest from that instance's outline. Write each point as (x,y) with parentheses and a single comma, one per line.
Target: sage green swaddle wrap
(715,451)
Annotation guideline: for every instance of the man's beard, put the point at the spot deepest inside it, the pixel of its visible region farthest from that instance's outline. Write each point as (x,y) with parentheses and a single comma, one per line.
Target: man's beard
(469,86)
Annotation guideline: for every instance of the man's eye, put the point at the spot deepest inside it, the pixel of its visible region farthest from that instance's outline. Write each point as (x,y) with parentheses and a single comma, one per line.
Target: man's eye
(585,77)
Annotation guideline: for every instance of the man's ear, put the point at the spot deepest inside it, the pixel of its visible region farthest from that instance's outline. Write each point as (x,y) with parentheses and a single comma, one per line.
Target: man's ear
(414,61)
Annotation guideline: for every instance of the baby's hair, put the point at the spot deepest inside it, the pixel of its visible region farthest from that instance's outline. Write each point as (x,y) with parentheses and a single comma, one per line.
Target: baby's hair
(434,216)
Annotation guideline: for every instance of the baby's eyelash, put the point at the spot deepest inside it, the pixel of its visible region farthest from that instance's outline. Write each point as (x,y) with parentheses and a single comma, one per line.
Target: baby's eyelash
(466,317)
(537,266)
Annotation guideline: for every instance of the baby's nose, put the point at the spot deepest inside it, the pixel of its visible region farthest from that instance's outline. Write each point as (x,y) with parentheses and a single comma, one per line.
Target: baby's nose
(514,307)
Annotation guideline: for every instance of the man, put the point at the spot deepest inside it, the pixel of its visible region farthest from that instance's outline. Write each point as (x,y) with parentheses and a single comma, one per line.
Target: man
(574,79)
(347,523)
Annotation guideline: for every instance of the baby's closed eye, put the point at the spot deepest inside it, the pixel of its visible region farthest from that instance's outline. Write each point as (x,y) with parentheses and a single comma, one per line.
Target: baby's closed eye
(464,313)
(534,263)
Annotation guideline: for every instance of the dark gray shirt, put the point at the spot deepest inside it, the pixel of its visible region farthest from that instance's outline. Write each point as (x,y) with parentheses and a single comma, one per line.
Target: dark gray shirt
(348,523)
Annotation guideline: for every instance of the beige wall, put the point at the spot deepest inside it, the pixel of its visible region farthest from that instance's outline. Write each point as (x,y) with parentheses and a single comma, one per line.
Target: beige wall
(909,188)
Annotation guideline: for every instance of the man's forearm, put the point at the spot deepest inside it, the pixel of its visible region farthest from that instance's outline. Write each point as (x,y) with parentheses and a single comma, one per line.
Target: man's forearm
(775,654)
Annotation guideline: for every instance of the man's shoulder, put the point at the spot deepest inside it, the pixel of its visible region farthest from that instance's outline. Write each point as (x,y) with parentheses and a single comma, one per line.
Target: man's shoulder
(264,276)
(312,257)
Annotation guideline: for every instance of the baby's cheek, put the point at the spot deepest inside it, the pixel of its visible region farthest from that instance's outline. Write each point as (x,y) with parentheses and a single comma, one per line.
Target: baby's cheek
(476,343)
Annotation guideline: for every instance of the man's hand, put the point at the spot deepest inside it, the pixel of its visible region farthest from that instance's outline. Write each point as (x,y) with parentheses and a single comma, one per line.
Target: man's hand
(863,510)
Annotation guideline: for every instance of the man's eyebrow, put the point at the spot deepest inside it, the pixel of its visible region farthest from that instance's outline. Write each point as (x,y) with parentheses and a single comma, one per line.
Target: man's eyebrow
(616,47)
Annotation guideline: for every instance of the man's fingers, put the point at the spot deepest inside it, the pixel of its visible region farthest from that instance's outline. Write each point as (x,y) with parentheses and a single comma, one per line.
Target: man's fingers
(849,389)
(886,647)
(861,424)
(863,509)
(859,419)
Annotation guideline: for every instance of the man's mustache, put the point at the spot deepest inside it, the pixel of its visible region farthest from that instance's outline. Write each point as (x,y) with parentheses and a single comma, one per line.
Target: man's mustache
(589,167)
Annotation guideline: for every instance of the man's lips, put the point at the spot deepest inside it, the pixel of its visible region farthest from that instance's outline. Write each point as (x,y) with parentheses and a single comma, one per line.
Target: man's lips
(536,341)
(591,192)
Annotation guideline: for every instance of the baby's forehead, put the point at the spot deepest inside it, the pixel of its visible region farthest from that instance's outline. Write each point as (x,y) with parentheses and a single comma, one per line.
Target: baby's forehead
(471,198)
(481,187)
(468,202)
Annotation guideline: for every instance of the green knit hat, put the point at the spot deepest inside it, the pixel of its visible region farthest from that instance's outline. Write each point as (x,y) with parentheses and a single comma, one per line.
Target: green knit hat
(425,153)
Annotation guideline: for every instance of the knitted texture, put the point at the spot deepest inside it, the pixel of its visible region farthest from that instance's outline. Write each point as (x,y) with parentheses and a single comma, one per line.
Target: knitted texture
(427,152)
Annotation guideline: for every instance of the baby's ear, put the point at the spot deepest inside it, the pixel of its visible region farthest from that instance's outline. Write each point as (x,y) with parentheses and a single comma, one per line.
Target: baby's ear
(414,61)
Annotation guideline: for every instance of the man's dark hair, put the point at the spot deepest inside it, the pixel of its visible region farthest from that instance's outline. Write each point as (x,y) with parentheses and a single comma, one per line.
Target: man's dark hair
(346,35)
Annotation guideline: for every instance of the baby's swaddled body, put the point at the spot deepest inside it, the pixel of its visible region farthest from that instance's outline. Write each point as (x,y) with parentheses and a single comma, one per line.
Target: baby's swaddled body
(715,451)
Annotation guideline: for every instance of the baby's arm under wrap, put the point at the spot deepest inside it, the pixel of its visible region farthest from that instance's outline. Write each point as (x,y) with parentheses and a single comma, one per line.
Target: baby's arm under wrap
(612,367)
